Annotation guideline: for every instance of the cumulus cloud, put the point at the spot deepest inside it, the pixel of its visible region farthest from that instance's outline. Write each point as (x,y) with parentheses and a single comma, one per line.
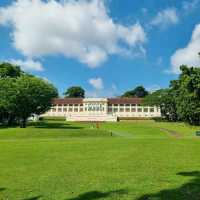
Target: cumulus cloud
(28,65)
(189,54)
(79,29)
(165,18)
(97,83)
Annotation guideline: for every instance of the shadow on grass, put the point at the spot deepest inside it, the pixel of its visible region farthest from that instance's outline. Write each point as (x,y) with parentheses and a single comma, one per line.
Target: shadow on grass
(2,189)
(188,191)
(98,195)
(53,125)
(33,198)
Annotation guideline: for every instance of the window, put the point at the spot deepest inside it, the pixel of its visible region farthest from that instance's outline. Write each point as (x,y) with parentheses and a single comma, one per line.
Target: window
(121,109)
(65,110)
(151,110)
(145,109)
(115,110)
(133,109)
(139,109)
(59,109)
(81,108)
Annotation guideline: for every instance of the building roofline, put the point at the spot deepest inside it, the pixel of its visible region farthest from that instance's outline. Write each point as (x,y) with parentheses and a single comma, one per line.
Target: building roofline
(118,100)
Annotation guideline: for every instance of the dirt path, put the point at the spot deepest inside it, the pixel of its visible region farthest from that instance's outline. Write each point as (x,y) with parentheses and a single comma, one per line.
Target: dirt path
(120,134)
(171,133)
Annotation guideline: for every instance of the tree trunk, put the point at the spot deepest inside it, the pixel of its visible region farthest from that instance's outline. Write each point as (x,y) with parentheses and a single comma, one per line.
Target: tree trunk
(23,123)
(11,120)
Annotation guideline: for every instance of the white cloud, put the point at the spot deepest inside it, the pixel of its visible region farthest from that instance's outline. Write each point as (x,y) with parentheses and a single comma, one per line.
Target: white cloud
(189,54)
(28,65)
(97,83)
(153,88)
(165,18)
(190,5)
(105,92)
(79,29)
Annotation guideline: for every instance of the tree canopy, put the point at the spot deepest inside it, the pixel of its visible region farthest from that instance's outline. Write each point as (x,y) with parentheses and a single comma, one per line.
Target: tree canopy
(22,95)
(9,70)
(75,92)
(181,101)
(139,92)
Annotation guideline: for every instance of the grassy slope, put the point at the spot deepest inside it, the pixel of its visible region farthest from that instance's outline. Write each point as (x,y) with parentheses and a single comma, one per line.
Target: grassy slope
(78,163)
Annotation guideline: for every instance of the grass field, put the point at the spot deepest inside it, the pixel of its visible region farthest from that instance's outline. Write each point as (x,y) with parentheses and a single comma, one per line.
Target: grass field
(139,160)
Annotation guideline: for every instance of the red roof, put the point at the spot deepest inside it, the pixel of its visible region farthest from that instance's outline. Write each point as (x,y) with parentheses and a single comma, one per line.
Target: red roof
(110,101)
(67,101)
(125,100)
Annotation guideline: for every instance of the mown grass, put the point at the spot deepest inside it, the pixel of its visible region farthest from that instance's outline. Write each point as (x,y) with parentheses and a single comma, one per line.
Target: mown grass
(56,160)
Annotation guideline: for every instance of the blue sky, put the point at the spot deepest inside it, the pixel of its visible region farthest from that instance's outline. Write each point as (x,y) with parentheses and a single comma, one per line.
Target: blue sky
(112,45)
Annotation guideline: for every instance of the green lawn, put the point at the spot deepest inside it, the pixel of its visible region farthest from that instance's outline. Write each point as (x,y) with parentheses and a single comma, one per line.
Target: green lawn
(139,160)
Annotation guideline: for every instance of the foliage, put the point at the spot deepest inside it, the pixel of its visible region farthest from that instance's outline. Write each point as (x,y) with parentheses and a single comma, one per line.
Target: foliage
(34,96)
(8,101)
(139,92)
(22,95)
(9,70)
(75,92)
(187,90)
(181,101)
(164,99)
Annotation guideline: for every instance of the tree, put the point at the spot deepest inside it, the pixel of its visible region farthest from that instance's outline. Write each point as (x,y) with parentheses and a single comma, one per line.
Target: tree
(22,95)
(139,92)
(7,100)
(75,92)
(34,96)
(9,70)
(187,97)
(164,99)
(181,101)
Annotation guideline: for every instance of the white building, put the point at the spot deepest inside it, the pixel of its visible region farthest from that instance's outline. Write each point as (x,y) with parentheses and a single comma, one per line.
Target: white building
(101,109)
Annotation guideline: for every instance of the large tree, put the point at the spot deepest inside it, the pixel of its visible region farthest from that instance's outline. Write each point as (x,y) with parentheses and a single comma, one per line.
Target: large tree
(22,95)
(139,92)
(34,97)
(187,97)
(165,100)
(8,101)
(181,101)
(75,92)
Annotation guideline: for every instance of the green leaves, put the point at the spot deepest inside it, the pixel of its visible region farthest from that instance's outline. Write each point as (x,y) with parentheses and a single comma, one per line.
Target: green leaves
(9,70)
(139,92)
(182,100)
(75,92)
(22,95)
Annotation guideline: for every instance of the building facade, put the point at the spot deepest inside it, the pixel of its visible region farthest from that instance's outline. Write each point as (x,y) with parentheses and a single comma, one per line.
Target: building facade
(101,109)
